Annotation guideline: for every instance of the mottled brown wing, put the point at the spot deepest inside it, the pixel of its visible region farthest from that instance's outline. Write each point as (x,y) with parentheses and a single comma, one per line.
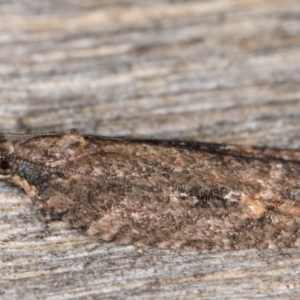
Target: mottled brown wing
(165,194)
(115,213)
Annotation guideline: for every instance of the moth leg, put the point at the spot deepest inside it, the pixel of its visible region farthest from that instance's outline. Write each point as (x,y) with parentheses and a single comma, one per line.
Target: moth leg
(34,196)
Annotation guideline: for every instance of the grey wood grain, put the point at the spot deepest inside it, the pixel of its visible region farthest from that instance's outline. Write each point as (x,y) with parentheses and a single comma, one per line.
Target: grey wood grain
(220,71)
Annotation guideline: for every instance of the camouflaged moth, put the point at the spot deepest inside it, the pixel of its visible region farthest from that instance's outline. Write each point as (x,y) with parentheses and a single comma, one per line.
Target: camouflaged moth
(166,194)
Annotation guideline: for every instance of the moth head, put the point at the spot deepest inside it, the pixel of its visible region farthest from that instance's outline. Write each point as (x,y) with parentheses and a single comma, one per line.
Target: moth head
(6,158)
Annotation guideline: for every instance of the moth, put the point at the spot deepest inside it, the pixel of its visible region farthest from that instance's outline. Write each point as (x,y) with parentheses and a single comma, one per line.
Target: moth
(167,194)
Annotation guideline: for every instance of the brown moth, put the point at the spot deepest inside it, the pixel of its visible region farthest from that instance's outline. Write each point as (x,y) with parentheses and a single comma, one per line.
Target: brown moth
(168,194)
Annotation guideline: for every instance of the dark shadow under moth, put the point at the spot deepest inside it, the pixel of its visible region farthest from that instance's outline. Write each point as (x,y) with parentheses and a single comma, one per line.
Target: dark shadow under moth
(167,194)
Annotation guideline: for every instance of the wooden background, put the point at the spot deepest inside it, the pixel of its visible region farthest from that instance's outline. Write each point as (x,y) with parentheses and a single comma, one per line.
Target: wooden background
(221,71)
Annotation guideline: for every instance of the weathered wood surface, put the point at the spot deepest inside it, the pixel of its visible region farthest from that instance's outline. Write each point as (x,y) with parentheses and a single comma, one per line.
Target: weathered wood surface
(222,71)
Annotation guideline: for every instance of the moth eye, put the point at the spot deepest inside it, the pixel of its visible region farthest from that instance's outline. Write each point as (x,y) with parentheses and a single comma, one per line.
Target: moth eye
(5,167)
(6,158)
(5,164)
